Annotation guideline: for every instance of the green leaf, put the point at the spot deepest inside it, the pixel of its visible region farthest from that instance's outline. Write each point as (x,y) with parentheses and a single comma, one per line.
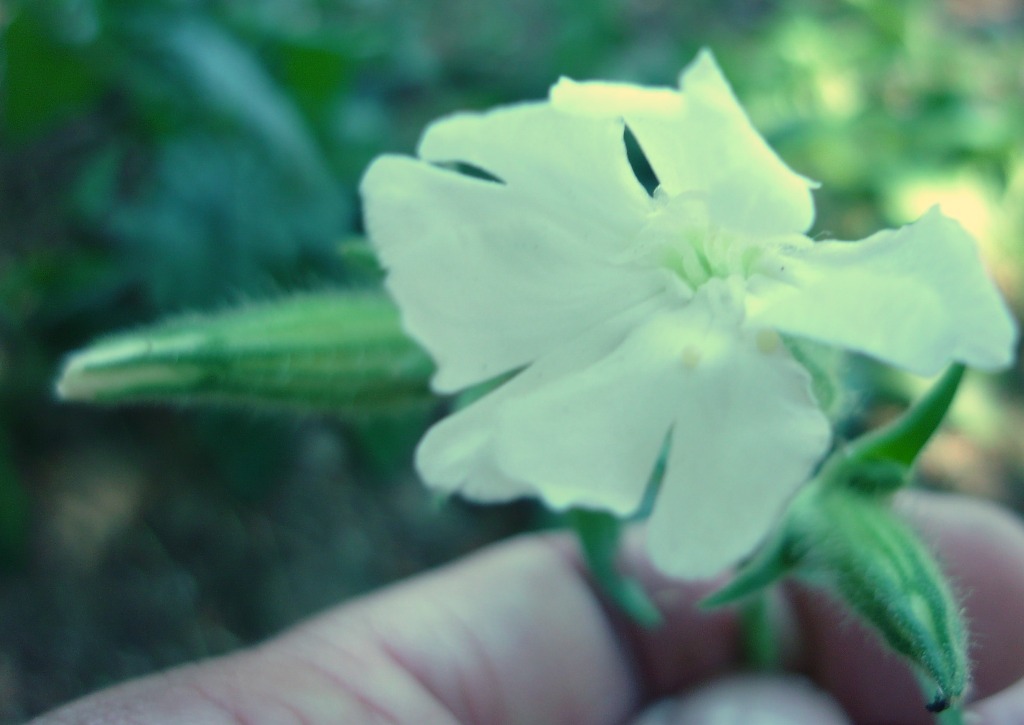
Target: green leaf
(880,461)
(187,63)
(45,81)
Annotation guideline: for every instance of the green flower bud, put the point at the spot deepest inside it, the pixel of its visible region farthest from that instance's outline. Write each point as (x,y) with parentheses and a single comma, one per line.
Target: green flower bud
(856,546)
(340,352)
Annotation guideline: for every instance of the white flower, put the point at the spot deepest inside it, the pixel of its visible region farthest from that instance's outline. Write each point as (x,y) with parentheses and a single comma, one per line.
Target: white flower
(631,320)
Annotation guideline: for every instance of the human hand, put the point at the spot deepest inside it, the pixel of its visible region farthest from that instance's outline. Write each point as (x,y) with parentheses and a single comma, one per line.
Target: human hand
(517,634)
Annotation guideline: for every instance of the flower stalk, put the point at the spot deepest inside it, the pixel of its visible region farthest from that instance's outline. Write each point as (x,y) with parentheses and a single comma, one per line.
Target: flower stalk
(599,534)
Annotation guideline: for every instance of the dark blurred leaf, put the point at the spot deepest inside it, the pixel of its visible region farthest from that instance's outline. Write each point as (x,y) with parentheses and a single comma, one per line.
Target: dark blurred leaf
(45,81)
(216,222)
(190,67)
(45,285)
(317,73)
(14,507)
(249,452)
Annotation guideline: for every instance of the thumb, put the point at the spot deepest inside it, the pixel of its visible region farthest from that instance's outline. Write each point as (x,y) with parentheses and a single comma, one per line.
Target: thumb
(748,700)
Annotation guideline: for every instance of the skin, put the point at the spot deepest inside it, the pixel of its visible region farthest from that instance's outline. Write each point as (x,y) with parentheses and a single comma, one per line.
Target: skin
(517,634)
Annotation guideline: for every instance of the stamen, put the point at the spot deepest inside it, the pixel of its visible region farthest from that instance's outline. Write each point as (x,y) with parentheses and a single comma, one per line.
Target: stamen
(693,266)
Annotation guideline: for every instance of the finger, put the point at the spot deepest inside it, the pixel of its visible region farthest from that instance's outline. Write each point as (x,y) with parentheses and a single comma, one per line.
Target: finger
(515,634)
(1003,708)
(692,646)
(512,634)
(982,546)
(750,700)
(982,550)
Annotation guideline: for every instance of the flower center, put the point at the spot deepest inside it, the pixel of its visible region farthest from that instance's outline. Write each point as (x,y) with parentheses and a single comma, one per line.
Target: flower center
(681,237)
(701,253)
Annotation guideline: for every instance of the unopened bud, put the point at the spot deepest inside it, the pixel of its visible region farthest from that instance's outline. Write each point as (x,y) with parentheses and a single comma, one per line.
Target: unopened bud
(341,352)
(855,545)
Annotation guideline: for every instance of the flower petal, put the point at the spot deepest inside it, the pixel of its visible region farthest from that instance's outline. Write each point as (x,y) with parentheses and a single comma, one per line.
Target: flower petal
(487,279)
(917,297)
(702,140)
(458,453)
(592,439)
(564,162)
(748,436)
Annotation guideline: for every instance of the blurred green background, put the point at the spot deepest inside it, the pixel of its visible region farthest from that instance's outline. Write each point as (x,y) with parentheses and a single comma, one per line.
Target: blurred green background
(158,156)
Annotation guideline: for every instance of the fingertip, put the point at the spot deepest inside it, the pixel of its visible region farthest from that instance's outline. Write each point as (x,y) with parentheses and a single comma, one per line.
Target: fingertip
(1004,708)
(691,645)
(961,527)
(748,699)
(981,547)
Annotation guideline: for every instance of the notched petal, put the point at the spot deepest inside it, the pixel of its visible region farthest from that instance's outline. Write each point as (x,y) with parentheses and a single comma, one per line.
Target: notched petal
(556,159)
(698,138)
(460,454)
(746,438)
(489,280)
(916,297)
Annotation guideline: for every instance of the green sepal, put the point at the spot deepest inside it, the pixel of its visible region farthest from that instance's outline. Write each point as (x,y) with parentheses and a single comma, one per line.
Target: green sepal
(822,362)
(771,563)
(856,546)
(339,352)
(902,440)
(599,534)
(880,462)
(869,476)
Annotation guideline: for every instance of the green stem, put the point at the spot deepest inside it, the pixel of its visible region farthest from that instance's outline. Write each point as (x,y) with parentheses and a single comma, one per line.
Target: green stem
(760,640)
(599,534)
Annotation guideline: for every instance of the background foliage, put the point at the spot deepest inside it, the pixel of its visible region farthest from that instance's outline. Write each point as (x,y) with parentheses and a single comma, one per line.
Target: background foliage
(166,155)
